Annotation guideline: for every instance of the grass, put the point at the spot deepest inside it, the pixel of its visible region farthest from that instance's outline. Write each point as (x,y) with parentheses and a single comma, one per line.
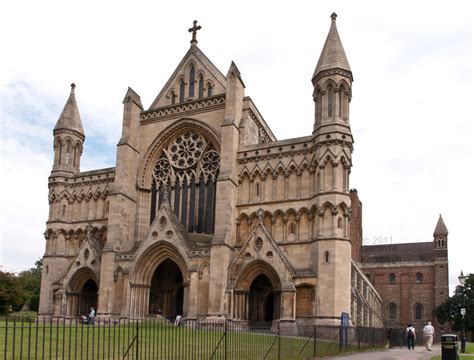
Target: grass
(155,340)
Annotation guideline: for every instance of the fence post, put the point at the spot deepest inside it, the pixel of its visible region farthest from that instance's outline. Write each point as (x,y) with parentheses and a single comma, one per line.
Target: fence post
(137,350)
(314,341)
(358,338)
(225,339)
(340,339)
(279,341)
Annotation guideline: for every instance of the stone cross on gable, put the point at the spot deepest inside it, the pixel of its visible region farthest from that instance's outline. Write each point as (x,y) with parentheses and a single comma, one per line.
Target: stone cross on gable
(194,30)
(260,214)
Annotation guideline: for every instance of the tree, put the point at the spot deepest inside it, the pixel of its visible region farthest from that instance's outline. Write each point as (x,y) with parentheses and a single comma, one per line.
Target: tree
(11,295)
(450,310)
(30,282)
(18,290)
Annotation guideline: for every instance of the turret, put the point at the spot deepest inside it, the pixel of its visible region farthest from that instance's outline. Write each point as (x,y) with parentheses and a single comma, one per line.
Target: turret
(68,138)
(332,82)
(440,234)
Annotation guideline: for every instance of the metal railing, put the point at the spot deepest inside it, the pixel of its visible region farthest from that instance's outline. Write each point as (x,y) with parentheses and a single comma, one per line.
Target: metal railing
(161,339)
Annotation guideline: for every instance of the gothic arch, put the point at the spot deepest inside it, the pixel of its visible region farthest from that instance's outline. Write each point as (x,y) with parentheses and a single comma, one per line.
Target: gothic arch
(150,258)
(188,66)
(304,165)
(244,173)
(328,83)
(165,137)
(292,166)
(80,277)
(252,270)
(328,157)
(256,173)
(267,170)
(280,168)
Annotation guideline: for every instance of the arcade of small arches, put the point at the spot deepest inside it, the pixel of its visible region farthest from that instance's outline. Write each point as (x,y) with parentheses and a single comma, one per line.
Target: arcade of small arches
(293,181)
(189,86)
(67,151)
(68,242)
(302,225)
(332,100)
(82,206)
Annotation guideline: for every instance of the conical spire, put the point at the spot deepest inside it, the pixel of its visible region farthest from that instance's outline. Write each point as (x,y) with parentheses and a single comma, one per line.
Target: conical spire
(70,118)
(333,55)
(440,228)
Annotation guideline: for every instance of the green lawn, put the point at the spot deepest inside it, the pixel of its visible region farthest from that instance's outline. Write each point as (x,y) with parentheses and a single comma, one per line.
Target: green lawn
(155,341)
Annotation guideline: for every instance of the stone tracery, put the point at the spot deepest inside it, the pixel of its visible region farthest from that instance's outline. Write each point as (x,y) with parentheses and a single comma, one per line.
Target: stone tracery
(189,166)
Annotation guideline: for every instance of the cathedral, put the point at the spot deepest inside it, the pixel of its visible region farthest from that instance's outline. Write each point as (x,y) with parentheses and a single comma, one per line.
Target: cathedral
(206,214)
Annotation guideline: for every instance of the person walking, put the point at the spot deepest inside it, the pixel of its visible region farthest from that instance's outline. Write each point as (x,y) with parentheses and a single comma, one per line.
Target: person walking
(411,337)
(91,317)
(428,334)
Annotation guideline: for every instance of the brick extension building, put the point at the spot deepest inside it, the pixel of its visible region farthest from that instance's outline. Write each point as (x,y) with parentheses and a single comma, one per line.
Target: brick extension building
(411,278)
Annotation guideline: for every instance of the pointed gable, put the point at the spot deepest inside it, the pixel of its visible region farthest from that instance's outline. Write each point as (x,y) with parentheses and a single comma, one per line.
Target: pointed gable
(166,228)
(204,69)
(261,246)
(333,55)
(70,119)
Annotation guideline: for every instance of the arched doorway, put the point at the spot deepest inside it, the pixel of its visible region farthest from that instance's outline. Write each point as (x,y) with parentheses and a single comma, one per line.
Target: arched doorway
(257,294)
(167,291)
(261,300)
(81,293)
(88,297)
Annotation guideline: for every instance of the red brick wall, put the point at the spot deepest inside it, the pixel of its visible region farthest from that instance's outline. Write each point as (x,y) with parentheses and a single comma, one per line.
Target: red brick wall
(406,292)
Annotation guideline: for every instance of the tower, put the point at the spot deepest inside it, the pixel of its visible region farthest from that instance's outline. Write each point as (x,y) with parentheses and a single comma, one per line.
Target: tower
(68,143)
(332,81)
(441,271)
(68,138)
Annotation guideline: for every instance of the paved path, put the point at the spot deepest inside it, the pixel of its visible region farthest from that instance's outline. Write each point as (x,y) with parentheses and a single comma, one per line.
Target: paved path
(420,353)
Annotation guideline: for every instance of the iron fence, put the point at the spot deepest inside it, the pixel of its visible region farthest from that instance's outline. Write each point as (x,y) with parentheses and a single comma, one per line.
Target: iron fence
(161,339)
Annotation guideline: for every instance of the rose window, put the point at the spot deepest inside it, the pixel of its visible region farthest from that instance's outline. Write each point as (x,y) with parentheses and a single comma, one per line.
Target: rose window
(185,178)
(186,150)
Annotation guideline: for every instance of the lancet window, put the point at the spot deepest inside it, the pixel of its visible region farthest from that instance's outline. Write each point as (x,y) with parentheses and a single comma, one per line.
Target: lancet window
(330,101)
(181,91)
(192,76)
(173,98)
(187,172)
(200,87)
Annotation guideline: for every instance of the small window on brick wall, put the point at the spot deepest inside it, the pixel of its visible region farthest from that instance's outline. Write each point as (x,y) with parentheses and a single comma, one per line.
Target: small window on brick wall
(418,311)
(391,278)
(326,257)
(392,311)
(419,278)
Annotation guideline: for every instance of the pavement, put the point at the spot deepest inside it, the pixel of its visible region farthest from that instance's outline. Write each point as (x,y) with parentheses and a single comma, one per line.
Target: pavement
(420,353)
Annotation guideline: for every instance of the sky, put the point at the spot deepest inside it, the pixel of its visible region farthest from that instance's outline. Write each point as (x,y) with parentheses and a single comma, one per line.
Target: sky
(411,110)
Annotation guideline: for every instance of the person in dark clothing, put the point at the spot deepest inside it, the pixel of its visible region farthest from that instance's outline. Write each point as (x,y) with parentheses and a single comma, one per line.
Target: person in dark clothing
(411,337)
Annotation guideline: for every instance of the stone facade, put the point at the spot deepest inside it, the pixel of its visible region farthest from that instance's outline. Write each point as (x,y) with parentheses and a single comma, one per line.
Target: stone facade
(411,278)
(206,214)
